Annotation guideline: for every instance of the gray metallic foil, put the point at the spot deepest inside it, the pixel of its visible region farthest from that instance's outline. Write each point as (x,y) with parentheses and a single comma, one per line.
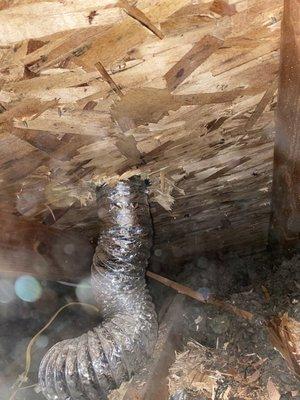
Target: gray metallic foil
(90,366)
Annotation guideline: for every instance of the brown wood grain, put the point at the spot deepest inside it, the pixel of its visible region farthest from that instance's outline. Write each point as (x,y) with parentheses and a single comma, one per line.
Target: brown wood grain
(222,7)
(137,14)
(286,186)
(63,125)
(192,60)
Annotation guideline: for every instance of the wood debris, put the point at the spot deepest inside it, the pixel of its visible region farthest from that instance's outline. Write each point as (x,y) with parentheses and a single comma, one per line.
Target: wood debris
(211,374)
(285,336)
(273,392)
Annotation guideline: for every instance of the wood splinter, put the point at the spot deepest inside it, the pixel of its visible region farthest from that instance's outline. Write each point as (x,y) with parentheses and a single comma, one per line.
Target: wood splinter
(185,290)
(138,15)
(105,75)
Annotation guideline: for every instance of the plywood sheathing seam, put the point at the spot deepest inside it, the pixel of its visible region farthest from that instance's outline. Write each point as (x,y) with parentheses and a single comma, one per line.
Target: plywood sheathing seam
(188,102)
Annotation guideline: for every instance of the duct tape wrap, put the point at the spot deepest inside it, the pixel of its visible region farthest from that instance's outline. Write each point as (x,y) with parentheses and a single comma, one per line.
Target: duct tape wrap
(90,366)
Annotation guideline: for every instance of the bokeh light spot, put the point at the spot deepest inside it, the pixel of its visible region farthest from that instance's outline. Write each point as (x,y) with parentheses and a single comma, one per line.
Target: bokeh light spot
(69,248)
(42,341)
(83,291)
(28,288)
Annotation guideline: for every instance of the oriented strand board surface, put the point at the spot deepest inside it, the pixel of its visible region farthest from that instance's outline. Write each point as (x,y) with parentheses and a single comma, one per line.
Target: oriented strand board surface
(181,91)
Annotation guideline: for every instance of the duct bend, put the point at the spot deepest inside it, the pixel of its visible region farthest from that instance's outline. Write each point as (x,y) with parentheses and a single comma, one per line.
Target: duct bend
(89,366)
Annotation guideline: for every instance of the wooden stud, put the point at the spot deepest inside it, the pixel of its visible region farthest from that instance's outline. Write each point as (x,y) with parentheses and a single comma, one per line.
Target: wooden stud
(286,184)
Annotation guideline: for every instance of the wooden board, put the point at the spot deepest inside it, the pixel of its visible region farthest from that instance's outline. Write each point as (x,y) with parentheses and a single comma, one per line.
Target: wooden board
(181,92)
(286,189)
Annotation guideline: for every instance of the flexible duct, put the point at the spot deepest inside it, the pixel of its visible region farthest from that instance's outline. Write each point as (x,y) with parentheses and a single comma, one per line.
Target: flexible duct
(90,366)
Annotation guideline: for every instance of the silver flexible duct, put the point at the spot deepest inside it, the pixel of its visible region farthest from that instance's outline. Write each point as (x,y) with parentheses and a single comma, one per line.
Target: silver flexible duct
(90,366)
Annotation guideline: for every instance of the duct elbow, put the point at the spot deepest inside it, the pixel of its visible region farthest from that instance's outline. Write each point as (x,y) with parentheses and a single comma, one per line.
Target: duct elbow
(90,366)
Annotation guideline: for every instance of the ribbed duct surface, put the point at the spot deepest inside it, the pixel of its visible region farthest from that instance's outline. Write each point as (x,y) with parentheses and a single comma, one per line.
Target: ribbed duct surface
(90,366)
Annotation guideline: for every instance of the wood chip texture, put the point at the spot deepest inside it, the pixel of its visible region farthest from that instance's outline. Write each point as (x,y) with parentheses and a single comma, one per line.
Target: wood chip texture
(187,100)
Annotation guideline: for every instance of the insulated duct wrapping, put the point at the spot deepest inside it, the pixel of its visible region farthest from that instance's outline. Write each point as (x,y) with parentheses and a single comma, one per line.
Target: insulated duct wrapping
(90,366)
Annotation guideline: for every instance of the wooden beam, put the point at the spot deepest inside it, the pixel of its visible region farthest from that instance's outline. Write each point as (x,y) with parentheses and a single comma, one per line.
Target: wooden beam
(27,247)
(285,227)
(152,382)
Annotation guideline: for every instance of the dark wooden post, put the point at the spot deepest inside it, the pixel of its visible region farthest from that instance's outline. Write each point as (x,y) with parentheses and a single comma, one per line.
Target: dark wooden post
(285,224)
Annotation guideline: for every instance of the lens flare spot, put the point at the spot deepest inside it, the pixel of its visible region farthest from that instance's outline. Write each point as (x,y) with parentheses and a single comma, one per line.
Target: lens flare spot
(28,288)
(69,248)
(84,292)
(42,341)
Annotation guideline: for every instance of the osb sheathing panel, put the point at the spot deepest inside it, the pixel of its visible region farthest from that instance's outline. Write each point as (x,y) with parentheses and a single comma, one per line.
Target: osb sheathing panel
(182,92)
